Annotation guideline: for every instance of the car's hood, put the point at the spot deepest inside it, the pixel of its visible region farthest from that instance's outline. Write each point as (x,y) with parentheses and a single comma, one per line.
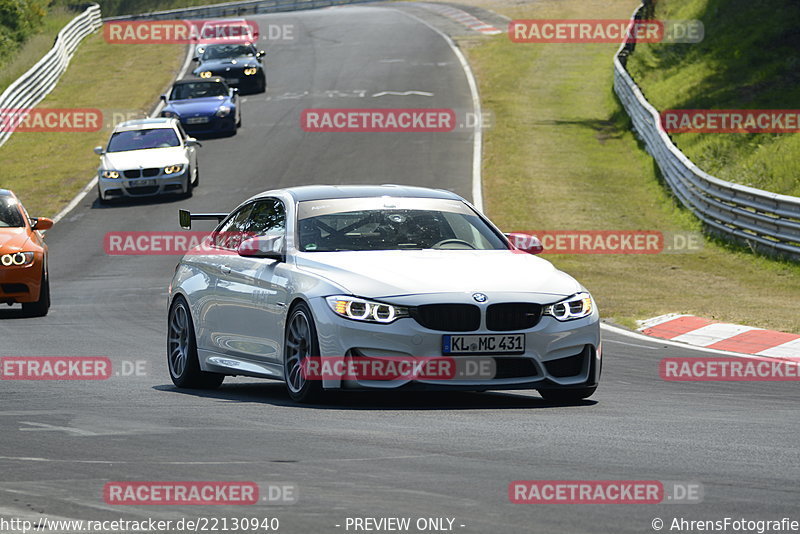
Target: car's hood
(405,272)
(153,157)
(12,239)
(239,62)
(197,105)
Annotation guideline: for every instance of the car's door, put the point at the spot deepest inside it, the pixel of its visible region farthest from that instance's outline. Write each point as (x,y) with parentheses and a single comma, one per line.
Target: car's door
(254,291)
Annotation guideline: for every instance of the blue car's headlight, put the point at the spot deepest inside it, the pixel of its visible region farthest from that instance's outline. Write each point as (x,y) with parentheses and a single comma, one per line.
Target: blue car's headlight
(575,307)
(170,114)
(223,111)
(365,310)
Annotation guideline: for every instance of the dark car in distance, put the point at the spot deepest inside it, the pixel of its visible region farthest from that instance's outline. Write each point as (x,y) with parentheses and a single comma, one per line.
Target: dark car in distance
(238,64)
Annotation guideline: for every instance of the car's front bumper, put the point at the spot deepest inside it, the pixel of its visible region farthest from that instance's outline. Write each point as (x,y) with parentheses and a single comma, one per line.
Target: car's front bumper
(21,284)
(110,188)
(214,125)
(557,354)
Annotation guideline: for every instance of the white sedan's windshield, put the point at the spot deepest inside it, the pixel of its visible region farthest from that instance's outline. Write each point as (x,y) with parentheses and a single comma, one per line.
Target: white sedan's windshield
(143,139)
(392,224)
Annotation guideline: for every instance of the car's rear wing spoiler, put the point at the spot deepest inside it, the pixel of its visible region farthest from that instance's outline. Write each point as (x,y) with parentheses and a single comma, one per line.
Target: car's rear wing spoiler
(185,218)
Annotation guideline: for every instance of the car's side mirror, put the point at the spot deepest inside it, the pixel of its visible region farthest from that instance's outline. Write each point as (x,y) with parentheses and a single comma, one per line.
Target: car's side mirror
(41,223)
(191,141)
(98,150)
(266,246)
(195,59)
(164,98)
(525,242)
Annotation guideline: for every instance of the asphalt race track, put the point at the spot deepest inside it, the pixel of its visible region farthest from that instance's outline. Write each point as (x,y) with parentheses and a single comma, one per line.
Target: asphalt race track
(434,455)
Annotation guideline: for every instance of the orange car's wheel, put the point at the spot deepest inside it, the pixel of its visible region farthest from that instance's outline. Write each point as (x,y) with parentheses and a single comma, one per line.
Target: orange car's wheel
(41,306)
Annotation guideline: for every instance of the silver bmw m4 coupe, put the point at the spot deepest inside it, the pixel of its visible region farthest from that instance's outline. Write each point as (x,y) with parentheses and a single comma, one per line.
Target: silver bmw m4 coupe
(376,287)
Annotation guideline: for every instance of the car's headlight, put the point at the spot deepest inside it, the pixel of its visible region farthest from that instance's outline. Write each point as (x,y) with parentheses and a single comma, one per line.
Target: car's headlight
(575,307)
(205,74)
(170,114)
(223,111)
(110,174)
(18,259)
(249,71)
(365,310)
(173,169)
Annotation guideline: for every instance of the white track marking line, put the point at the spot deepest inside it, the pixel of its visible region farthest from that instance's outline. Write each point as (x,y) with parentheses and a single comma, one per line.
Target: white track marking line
(477,191)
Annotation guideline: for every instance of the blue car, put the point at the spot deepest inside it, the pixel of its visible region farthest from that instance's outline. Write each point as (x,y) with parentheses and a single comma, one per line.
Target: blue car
(204,107)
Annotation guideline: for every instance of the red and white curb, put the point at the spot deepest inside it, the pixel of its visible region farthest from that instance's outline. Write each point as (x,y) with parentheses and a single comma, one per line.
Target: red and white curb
(464,18)
(706,333)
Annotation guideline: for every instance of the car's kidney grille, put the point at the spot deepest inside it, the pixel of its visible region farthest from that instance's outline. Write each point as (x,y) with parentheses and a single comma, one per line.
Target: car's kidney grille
(150,172)
(135,173)
(448,317)
(512,316)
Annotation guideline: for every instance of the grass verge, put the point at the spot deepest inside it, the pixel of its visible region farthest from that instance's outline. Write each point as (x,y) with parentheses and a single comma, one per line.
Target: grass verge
(560,156)
(47,169)
(749,59)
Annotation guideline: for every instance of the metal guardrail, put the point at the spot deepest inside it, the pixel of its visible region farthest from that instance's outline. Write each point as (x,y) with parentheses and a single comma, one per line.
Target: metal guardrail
(764,221)
(237,9)
(31,88)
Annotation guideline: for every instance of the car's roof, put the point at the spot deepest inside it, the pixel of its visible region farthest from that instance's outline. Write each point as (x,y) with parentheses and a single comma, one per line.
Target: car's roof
(6,193)
(145,124)
(215,79)
(325,192)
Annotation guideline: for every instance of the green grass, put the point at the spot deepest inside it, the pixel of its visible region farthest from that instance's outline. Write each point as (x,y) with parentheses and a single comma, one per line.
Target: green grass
(127,7)
(15,64)
(561,156)
(47,169)
(749,59)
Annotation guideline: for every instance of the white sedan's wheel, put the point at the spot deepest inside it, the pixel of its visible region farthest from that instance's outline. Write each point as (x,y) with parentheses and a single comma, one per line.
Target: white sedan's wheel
(300,343)
(184,366)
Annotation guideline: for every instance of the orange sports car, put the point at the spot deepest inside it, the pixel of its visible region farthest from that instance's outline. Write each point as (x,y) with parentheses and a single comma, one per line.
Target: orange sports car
(23,257)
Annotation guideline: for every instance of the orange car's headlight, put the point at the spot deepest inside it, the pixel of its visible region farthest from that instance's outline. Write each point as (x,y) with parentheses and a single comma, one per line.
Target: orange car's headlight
(18,259)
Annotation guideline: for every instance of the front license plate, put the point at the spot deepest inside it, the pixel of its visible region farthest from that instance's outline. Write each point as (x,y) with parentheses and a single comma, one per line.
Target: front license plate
(197,120)
(232,80)
(141,183)
(480,344)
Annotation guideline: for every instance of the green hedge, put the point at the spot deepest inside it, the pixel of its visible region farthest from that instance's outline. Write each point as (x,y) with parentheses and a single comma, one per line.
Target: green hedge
(18,20)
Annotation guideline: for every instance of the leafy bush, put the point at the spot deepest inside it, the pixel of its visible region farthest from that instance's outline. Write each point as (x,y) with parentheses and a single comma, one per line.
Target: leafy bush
(18,20)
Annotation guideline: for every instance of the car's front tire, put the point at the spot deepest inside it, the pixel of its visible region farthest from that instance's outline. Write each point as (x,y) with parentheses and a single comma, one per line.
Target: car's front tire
(300,342)
(41,306)
(196,176)
(182,360)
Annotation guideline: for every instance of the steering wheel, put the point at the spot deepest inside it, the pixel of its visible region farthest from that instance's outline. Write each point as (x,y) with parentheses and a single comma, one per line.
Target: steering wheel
(443,242)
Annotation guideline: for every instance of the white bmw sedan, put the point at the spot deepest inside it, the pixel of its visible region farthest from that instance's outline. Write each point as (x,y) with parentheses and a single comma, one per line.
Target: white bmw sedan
(147,157)
(364,287)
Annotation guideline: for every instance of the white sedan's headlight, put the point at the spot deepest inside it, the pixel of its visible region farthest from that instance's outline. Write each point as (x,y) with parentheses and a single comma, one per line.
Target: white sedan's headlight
(18,259)
(574,307)
(173,169)
(223,111)
(110,174)
(365,310)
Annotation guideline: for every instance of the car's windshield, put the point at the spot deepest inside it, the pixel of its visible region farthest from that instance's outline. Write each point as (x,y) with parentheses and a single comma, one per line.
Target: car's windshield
(392,224)
(186,91)
(10,214)
(228,51)
(143,139)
